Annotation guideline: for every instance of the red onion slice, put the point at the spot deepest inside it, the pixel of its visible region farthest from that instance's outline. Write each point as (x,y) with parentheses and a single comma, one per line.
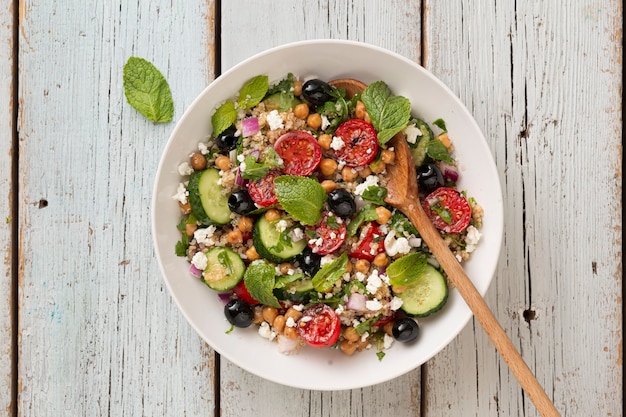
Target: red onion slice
(249,127)
(356,302)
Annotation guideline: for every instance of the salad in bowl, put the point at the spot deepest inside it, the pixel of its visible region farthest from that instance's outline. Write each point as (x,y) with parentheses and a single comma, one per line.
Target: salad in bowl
(283,214)
(280,223)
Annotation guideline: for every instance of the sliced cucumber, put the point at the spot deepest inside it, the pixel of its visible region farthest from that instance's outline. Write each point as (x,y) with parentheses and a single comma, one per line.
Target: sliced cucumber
(297,291)
(281,101)
(224,269)
(418,151)
(273,245)
(208,201)
(426,295)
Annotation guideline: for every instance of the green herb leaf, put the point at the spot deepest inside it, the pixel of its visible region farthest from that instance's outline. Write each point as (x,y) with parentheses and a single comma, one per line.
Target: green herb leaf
(283,86)
(441,124)
(301,197)
(230,330)
(365,326)
(438,151)
(283,280)
(442,212)
(375,194)
(380,355)
(260,278)
(331,221)
(224,117)
(407,269)
(401,225)
(255,170)
(182,245)
(389,114)
(253,92)
(366,214)
(326,277)
(147,90)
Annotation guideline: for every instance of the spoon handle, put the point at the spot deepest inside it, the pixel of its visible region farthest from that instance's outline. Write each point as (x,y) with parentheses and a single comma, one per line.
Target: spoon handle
(481,311)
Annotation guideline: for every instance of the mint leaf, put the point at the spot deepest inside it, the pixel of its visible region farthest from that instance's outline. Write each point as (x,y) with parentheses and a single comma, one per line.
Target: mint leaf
(407,269)
(401,225)
(147,90)
(438,151)
(283,86)
(301,197)
(366,214)
(375,194)
(224,117)
(326,277)
(253,92)
(259,279)
(441,124)
(389,114)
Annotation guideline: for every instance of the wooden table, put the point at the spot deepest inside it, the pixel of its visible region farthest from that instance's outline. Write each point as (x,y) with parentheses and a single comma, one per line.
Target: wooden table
(89,328)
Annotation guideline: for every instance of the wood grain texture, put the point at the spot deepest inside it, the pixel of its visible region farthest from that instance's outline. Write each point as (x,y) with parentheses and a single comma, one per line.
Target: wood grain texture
(394,25)
(6,203)
(99,334)
(537,76)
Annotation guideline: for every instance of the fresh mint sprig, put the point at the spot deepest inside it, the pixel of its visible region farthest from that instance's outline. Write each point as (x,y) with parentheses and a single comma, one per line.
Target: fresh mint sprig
(389,114)
(147,91)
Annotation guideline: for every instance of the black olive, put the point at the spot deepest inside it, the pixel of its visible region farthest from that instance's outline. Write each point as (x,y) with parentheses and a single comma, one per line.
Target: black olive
(227,141)
(309,261)
(342,203)
(405,330)
(316,92)
(429,178)
(238,313)
(240,202)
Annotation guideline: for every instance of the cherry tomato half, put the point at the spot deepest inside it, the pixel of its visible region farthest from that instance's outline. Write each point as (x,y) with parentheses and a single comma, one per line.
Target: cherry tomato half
(360,142)
(262,190)
(330,234)
(300,152)
(319,326)
(242,293)
(371,243)
(448,210)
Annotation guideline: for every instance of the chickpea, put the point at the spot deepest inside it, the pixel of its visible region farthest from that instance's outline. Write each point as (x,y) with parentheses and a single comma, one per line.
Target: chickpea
(362,344)
(252,254)
(349,267)
(362,265)
(245,224)
(279,324)
(328,166)
(445,139)
(348,174)
(383,215)
(293,313)
(223,162)
(388,156)
(328,185)
(347,347)
(291,333)
(258,315)
(364,172)
(297,88)
(359,110)
(381,260)
(378,167)
(198,161)
(269,314)
(285,267)
(234,237)
(324,141)
(185,208)
(351,334)
(314,121)
(272,215)
(190,229)
(301,111)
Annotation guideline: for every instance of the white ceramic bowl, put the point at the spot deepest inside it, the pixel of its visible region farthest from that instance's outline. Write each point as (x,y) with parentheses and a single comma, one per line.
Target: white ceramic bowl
(313,368)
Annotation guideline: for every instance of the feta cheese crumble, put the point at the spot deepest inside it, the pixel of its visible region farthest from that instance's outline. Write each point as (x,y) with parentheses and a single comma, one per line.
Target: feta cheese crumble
(412,132)
(337,143)
(396,245)
(204,236)
(472,238)
(369,181)
(274,120)
(185,169)
(181,194)
(199,260)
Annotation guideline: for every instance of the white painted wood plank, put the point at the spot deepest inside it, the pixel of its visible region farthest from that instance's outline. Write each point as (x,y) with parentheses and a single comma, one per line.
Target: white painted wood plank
(544,83)
(246,30)
(99,334)
(6,203)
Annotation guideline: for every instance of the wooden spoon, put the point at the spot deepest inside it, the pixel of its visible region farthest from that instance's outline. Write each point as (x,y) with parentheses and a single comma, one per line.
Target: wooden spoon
(402,193)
